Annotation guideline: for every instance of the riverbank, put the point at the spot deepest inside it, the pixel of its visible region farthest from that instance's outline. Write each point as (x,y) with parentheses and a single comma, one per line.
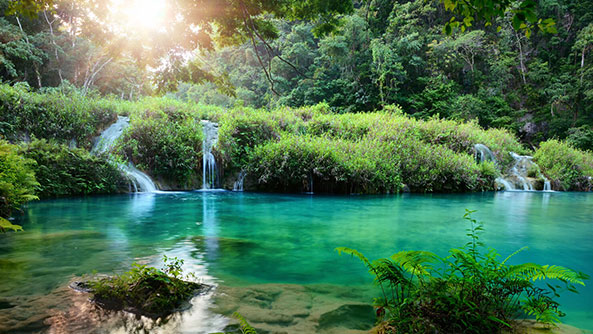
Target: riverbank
(308,149)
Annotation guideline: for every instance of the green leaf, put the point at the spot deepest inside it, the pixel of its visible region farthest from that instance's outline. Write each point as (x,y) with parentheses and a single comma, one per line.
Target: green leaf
(6,225)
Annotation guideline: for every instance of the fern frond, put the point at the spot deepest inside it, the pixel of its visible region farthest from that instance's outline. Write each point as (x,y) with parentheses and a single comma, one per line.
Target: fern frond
(355,253)
(415,262)
(513,254)
(534,272)
(244,325)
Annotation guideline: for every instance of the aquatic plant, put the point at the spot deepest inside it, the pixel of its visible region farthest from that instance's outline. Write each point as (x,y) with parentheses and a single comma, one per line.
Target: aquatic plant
(146,290)
(469,291)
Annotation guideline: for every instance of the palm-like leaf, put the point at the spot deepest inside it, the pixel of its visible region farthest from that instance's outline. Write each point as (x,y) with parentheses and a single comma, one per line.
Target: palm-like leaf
(416,262)
(534,272)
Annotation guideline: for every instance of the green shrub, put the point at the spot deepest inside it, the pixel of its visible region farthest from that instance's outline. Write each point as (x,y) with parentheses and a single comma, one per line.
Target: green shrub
(241,129)
(146,290)
(469,291)
(165,140)
(62,171)
(53,114)
(373,152)
(335,165)
(17,181)
(566,166)
(581,138)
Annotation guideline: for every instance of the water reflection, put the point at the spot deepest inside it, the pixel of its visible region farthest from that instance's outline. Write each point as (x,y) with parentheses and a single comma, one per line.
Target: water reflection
(239,239)
(141,205)
(210,225)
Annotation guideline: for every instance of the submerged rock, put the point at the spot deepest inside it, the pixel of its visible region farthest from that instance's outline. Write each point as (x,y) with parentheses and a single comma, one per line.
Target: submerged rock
(154,296)
(299,309)
(350,316)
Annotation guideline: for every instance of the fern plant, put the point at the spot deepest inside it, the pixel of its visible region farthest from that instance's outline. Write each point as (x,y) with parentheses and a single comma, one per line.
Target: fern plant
(244,325)
(468,291)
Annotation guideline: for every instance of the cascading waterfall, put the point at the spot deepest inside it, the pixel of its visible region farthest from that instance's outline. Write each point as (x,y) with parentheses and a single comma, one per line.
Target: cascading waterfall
(520,169)
(140,181)
(238,185)
(108,137)
(484,154)
(518,175)
(209,171)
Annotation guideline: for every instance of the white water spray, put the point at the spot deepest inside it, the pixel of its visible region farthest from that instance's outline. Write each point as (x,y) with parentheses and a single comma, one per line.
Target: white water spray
(140,181)
(209,172)
(517,177)
(108,137)
(238,185)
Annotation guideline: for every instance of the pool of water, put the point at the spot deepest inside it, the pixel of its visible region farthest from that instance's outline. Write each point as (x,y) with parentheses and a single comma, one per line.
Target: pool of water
(258,245)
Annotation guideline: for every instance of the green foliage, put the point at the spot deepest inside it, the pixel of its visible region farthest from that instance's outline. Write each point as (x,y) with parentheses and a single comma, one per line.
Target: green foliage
(55,115)
(581,138)
(17,182)
(469,291)
(244,325)
(524,14)
(62,171)
(146,290)
(6,225)
(568,167)
(369,153)
(165,139)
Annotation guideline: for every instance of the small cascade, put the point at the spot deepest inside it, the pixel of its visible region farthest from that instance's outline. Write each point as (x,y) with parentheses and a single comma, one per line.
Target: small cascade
(139,181)
(506,184)
(209,171)
(309,185)
(108,137)
(521,176)
(238,185)
(483,153)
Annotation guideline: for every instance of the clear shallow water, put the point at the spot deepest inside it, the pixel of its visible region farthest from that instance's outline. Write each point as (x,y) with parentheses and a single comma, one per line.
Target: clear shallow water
(241,240)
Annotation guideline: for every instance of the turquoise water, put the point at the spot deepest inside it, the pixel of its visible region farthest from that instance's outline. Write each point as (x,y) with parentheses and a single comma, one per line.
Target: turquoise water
(245,239)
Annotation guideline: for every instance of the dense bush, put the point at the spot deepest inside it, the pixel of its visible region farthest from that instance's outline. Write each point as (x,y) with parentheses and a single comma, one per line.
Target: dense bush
(53,114)
(469,291)
(376,152)
(17,180)
(165,139)
(62,171)
(332,165)
(568,167)
(241,129)
(581,138)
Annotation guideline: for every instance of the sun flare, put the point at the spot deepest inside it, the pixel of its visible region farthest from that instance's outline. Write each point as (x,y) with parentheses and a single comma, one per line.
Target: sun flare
(145,15)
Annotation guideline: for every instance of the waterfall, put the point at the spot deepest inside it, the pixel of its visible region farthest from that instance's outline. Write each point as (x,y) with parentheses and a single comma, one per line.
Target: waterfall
(140,181)
(107,139)
(483,153)
(209,171)
(238,185)
(517,176)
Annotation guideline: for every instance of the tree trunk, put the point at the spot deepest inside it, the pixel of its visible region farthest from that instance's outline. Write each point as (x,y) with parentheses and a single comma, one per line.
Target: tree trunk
(521,60)
(53,40)
(583,64)
(36,66)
